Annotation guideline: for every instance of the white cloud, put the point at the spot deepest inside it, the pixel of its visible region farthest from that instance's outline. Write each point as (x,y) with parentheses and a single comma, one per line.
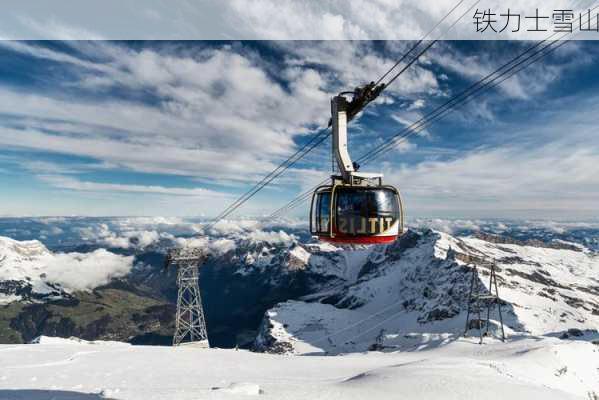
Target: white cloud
(405,146)
(225,235)
(20,260)
(412,120)
(140,233)
(126,236)
(230,227)
(450,226)
(538,228)
(85,271)
(279,237)
(53,29)
(531,81)
(267,19)
(208,125)
(416,104)
(336,20)
(221,116)
(212,101)
(74,184)
(504,179)
(222,246)
(133,239)
(545,166)
(352,63)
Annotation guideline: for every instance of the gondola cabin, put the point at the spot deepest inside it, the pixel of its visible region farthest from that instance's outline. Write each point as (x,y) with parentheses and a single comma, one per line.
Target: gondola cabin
(356,208)
(356,214)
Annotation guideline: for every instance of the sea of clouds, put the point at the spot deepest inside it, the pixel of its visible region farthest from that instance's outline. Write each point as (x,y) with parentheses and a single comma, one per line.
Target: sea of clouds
(85,271)
(31,261)
(143,233)
(89,252)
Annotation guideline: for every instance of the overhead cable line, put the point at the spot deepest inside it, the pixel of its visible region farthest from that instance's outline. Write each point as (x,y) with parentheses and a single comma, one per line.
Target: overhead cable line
(439,112)
(421,40)
(508,73)
(322,134)
(394,141)
(318,138)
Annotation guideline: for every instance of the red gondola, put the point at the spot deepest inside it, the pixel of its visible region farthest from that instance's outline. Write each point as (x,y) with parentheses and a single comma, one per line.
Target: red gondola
(356,208)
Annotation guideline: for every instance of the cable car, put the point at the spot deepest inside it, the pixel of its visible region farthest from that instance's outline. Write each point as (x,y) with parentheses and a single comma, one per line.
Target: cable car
(356,208)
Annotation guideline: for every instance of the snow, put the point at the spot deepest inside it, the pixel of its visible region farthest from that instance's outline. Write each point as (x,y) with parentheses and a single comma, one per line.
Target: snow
(412,295)
(326,259)
(570,270)
(301,254)
(33,264)
(546,368)
(9,298)
(422,290)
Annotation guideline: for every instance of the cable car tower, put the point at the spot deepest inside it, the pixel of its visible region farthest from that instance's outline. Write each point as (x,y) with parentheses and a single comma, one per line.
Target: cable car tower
(190,326)
(356,208)
(479,298)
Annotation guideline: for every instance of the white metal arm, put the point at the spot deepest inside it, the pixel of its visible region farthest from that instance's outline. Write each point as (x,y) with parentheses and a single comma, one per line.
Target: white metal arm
(339,129)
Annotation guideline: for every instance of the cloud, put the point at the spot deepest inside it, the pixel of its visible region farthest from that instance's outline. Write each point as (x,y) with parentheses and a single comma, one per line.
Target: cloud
(535,80)
(353,63)
(416,104)
(133,239)
(74,184)
(504,179)
(85,271)
(73,271)
(222,245)
(51,28)
(280,237)
(450,226)
(208,104)
(409,118)
(229,227)
(212,100)
(268,19)
(220,115)
(137,234)
(529,165)
(337,20)
(126,235)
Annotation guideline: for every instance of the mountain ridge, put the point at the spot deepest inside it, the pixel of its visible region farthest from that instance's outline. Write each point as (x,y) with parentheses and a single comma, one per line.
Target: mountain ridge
(422,285)
(249,278)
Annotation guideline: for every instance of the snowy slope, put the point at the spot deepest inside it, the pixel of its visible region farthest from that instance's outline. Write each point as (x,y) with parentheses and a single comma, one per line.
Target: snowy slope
(414,293)
(322,259)
(523,369)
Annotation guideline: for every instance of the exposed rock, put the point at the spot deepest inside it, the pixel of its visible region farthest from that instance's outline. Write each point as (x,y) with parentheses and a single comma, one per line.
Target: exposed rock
(422,284)
(497,239)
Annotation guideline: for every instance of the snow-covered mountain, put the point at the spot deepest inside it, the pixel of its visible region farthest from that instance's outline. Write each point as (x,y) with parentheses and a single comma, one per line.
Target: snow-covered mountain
(29,271)
(415,292)
(74,294)
(283,292)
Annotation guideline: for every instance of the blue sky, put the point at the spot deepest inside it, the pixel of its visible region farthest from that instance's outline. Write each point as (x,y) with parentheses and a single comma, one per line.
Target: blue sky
(182,128)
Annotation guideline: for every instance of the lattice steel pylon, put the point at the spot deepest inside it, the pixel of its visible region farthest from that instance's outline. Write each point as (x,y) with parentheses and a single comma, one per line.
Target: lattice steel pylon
(478,296)
(190,325)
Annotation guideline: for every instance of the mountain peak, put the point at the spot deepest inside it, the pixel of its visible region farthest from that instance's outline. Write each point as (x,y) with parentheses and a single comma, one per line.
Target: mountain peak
(419,286)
